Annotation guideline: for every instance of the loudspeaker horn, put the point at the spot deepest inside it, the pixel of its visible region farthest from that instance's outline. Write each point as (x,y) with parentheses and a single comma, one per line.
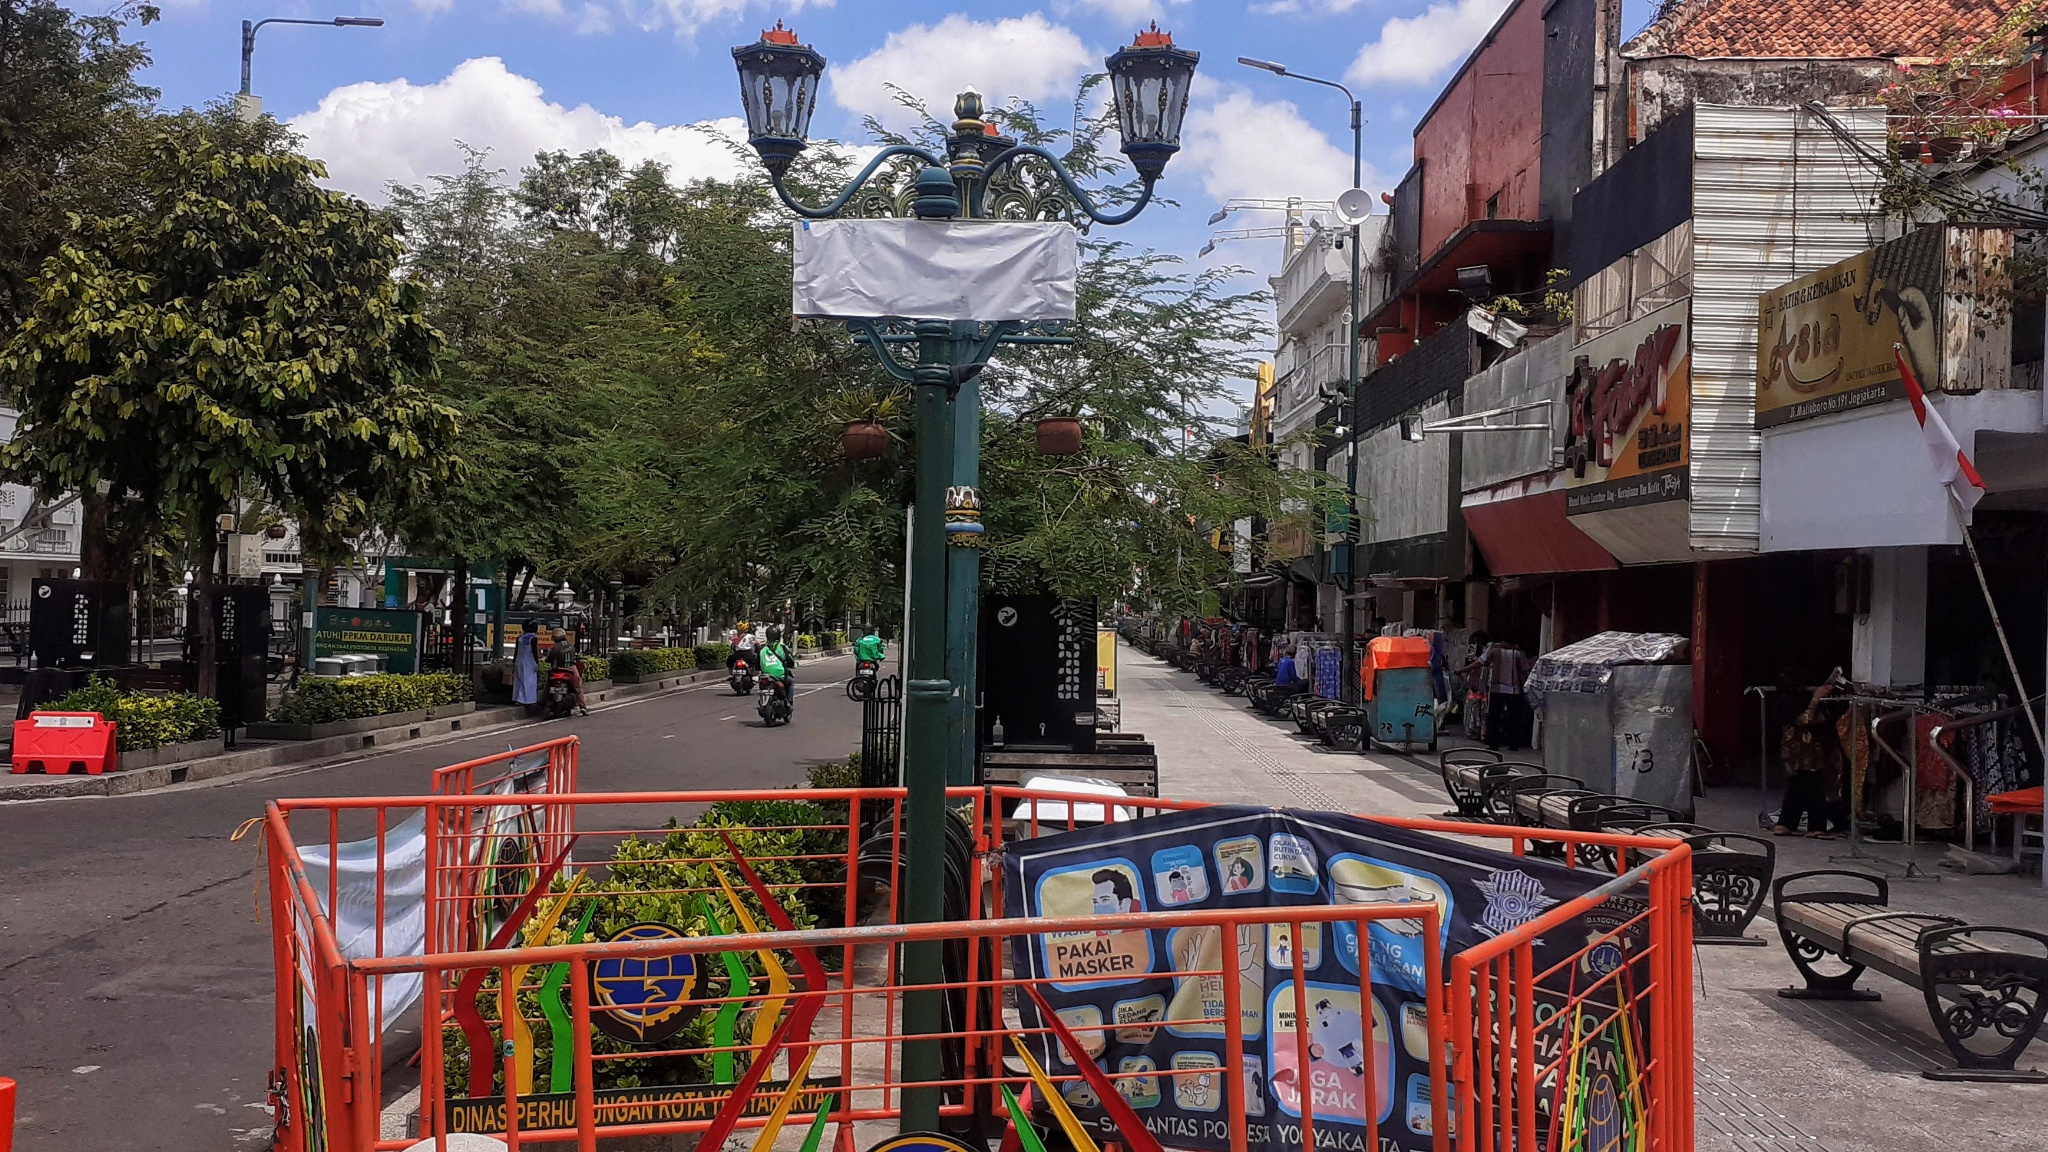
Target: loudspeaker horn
(1354,206)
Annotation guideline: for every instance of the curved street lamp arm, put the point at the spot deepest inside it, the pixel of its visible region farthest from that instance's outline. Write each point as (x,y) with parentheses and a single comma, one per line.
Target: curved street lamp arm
(853,188)
(869,332)
(1087,205)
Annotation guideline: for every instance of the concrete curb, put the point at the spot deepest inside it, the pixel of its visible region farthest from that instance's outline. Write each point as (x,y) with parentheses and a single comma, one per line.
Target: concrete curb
(241,761)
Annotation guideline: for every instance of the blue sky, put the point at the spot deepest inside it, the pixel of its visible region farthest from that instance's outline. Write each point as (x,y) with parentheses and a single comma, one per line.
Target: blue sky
(632,75)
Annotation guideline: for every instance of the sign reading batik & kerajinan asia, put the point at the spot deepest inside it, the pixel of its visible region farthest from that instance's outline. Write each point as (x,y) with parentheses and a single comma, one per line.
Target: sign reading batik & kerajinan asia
(1824,341)
(1629,398)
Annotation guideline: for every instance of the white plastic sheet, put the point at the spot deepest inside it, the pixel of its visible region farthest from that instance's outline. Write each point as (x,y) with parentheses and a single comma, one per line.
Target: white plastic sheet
(935,270)
(354,915)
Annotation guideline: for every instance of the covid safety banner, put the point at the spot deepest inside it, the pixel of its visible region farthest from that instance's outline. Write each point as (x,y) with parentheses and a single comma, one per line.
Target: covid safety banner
(1125,998)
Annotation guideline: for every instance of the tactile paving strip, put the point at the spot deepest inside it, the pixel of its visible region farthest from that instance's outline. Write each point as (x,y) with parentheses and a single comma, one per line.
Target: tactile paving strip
(1730,1118)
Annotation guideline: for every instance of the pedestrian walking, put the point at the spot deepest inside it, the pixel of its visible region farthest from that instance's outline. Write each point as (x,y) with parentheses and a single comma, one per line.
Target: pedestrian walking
(526,666)
(1508,717)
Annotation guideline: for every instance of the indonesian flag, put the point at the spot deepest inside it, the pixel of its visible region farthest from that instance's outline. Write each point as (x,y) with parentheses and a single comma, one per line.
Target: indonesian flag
(1950,464)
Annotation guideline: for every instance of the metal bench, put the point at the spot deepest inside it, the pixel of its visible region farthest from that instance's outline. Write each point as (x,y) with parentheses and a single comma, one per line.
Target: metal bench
(1731,874)
(1986,987)
(1135,771)
(1464,770)
(1500,794)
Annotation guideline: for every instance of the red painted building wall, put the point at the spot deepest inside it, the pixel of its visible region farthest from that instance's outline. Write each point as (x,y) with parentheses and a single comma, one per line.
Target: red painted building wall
(1483,138)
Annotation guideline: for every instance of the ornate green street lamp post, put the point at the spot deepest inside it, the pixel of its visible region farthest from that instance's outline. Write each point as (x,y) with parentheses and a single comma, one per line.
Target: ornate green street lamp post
(981,176)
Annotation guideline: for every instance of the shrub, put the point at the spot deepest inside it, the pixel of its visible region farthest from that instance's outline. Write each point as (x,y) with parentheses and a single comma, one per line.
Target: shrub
(713,655)
(144,722)
(652,661)
(324,700)
(596,668)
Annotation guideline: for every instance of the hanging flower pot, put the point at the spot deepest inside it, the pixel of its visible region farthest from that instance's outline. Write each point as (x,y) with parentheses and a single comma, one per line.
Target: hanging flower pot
(864,440)
(1059,436)
(275,531)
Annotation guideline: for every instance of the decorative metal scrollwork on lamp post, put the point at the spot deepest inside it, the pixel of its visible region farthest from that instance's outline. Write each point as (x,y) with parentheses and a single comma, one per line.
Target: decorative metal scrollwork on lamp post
(982,176)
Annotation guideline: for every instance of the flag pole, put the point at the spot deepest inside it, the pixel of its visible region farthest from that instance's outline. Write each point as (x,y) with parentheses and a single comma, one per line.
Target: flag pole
(2019,686)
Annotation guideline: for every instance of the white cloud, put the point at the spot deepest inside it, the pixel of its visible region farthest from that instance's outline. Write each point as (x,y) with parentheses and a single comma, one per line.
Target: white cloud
(1414,49)
(1243,146)
(373,133)
(687,16)
(1128,10)
(1027,56)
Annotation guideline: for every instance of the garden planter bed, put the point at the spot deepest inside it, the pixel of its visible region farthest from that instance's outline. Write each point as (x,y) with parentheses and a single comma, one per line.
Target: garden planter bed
(170,754)
(272,731)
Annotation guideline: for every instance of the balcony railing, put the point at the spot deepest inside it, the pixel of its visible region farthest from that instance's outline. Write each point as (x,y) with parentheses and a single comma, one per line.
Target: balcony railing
(1313,285)
(1323,369)
(41,542)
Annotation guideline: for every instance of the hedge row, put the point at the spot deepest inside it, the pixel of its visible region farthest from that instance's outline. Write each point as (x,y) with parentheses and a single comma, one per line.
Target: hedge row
(143,722)
(652,661)
(713,655)
(324,700)
(596,668)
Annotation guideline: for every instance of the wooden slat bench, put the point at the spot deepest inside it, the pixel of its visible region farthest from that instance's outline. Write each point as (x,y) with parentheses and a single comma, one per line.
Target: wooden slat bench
(1986,987)
(1136,772)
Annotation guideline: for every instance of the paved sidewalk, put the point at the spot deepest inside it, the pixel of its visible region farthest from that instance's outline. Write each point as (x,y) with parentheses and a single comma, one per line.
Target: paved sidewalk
(1772,1075)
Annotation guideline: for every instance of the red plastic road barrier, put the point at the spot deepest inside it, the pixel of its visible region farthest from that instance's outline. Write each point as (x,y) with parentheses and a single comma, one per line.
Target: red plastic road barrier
(59,743)
(6,1115)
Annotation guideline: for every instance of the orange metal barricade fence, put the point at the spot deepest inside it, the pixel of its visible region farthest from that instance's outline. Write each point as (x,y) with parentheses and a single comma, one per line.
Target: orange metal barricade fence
(514,935)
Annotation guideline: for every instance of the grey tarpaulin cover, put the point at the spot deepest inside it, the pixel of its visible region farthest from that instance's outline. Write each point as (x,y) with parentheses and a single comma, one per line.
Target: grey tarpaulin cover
(1588,665)
(935,270)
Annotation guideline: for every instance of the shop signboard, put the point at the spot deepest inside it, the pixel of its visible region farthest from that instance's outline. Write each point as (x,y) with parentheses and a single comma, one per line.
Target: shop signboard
(1628,401)
(1153,1001)
(1824,342)
(392,633)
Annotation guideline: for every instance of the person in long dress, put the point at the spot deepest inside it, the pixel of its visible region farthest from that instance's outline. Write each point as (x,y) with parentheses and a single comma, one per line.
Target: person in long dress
(526,666)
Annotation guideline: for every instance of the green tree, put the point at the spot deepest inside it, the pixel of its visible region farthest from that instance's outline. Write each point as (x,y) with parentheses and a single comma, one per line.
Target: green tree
(239,332)
(67,86)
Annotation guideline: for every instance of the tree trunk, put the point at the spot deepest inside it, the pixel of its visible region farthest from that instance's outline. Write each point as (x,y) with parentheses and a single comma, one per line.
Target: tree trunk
(109,542)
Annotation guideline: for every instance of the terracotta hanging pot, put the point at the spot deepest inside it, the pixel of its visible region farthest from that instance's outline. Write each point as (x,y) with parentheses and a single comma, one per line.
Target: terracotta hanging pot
(1059,436)
(275,532)
(864,440)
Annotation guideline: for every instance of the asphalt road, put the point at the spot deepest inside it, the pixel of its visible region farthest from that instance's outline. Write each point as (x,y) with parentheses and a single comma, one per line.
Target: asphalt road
(135,978)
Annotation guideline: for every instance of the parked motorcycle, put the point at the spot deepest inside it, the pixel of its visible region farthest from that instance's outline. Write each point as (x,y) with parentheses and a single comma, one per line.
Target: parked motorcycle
(741,674)
(769,703)
(862,686)
(558,699)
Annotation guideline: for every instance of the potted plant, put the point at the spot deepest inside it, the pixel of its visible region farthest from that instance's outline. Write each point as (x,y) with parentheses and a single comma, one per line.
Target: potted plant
(1059,435)
(866,418)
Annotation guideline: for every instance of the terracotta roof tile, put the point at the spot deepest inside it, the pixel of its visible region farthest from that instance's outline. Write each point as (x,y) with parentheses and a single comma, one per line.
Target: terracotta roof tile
(1815,29)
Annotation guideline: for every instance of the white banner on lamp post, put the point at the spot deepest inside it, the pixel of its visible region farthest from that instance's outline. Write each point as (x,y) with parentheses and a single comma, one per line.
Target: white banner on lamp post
(935,270)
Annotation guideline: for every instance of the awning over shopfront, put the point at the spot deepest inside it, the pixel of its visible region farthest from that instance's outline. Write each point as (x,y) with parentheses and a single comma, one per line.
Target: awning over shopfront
(1522,530)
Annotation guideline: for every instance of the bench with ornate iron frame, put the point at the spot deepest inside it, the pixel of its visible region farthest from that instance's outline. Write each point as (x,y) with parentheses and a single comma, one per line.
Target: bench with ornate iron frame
(1731,875)
(1986,1000)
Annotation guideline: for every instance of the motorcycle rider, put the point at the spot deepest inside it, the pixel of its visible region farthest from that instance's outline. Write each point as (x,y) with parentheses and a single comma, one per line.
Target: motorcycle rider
(869,648)
(785,656)
(563,654)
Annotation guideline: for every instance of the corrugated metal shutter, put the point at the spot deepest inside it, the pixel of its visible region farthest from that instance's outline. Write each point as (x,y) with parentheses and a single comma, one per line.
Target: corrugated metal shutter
(1775,196)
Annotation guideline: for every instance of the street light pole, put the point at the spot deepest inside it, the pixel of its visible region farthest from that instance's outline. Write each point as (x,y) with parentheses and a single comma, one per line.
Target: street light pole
(1348,678)
(243,98)
(779,81)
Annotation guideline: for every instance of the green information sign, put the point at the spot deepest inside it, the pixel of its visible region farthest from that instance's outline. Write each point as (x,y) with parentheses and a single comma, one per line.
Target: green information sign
(388,632)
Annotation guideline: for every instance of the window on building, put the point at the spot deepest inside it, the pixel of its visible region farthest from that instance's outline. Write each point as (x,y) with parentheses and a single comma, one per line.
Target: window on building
(1493,206)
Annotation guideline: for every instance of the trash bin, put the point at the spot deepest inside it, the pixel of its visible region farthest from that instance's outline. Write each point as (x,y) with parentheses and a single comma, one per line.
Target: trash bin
(1617,714)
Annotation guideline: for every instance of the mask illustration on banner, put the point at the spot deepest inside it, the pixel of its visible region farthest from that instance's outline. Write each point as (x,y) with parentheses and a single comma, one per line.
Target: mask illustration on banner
(1093,959)
(1179,877)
